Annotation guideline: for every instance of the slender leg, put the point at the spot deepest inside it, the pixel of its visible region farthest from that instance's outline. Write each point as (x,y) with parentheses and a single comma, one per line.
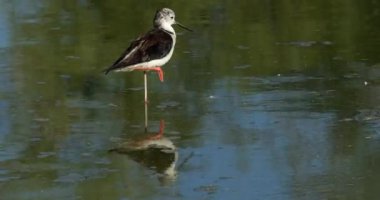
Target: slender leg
(159,71)
(146,118)
(160,74)
(145,88)
(160,132)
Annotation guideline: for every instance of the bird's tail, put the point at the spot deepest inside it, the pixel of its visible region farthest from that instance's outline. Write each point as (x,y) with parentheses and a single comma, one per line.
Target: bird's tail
(106,71)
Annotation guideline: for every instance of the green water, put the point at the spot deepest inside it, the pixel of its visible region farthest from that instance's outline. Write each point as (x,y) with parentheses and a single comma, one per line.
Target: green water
(265,100)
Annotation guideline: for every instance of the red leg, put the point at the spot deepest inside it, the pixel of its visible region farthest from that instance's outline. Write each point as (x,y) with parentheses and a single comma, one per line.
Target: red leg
(160,132)
(159,71)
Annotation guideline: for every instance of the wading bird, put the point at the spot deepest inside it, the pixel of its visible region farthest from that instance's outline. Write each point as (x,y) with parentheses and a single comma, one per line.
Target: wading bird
(152,50)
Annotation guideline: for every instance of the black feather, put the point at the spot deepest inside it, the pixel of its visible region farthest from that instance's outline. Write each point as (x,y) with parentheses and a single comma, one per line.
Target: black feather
(154,45)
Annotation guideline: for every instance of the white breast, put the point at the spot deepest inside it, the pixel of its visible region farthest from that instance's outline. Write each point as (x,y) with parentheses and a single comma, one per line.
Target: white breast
(162,61)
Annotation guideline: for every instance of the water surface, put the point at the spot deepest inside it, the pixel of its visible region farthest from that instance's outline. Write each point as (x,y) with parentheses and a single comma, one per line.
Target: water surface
(266,100)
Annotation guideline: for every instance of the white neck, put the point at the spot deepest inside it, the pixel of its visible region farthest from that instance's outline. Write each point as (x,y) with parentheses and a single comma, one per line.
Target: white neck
(167,27)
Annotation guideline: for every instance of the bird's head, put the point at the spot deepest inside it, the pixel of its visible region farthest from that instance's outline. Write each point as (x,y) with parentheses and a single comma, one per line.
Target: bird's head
(165,18)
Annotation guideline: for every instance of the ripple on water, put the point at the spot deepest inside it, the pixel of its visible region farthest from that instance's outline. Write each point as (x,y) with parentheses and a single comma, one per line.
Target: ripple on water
(82,103)
(306,43)
(367,115)
(168,104)
(46,154)
(6,175)
(88,173)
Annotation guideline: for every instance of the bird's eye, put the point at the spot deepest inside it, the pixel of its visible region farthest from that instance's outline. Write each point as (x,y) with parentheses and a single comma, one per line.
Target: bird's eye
(171,17)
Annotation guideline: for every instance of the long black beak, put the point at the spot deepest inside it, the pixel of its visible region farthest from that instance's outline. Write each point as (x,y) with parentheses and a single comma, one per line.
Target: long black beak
(184,27)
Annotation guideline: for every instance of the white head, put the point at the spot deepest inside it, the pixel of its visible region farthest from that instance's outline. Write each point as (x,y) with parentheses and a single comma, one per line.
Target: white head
(165,18)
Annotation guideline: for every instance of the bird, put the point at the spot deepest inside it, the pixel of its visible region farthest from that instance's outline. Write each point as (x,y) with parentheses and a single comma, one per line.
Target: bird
(152,50)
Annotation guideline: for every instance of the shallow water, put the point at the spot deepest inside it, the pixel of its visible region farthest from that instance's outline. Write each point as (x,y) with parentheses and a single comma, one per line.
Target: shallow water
(265,100)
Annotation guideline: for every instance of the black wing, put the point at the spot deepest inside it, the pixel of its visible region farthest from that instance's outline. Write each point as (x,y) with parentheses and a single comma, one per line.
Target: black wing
(154,45)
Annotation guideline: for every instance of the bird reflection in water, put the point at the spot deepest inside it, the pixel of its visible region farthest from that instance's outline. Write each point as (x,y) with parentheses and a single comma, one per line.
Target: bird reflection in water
(152,150)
